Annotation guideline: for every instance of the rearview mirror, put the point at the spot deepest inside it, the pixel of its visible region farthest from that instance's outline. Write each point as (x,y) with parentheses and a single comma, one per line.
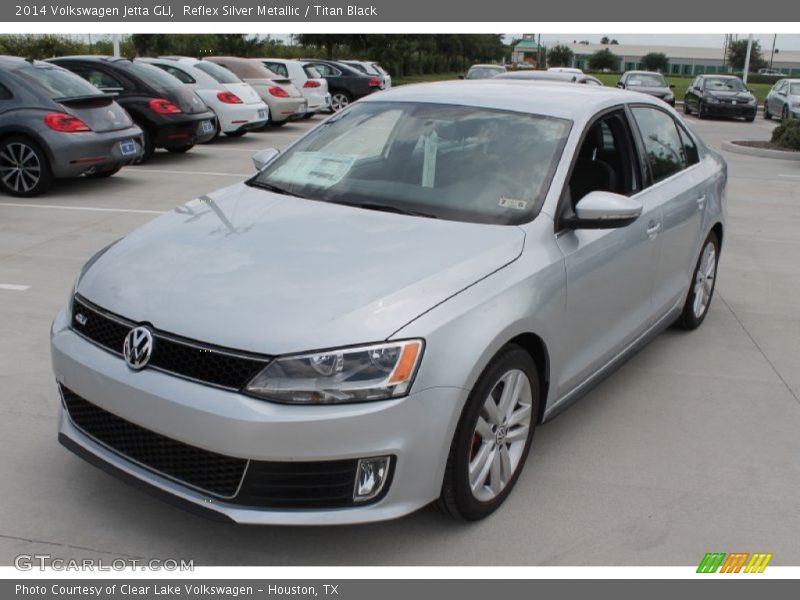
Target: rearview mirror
(263,157)
(620,85)
(604,210)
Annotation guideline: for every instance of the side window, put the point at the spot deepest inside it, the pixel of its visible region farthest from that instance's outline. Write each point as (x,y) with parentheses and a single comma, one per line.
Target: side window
(99,79)
(662,143)
(278,68)
(5,93)
(324,70)
(606,160)
(690,153)
(179,73)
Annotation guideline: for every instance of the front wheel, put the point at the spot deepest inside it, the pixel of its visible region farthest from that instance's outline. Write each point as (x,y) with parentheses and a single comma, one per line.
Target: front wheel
(493,437)
(340,100)
(703,281)
(686,109)
(767,114)
(701,111)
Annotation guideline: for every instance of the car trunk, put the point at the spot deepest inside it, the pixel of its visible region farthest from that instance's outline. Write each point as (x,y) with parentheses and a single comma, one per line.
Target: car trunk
(246,93)
(185,98)
(100,113)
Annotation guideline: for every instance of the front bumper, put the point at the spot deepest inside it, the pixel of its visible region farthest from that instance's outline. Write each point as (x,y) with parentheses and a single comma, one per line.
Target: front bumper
(730,110)
(416,431)
(74,154)
(185,129)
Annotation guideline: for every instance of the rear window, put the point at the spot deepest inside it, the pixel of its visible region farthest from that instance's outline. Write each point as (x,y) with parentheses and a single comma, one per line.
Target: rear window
(221,74)
(58,82)
(312,72)
(278,68)
(151,75)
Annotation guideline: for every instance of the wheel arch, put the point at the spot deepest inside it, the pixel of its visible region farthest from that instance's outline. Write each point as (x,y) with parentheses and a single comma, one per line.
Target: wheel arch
(717,228)
(535,346)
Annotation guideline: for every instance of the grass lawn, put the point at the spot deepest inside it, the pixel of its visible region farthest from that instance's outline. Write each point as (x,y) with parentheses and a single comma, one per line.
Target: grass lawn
(610,79)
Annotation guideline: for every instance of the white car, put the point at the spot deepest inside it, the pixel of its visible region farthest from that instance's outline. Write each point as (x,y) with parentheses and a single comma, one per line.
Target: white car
(372,68)
(566,70)
(306,78)
(236,104)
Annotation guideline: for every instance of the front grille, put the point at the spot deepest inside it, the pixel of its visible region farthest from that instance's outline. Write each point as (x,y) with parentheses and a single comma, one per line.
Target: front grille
(211,472)
(221,367)
(253,483)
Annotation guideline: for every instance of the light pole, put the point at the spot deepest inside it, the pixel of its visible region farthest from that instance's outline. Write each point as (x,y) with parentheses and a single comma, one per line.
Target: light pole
(747,58)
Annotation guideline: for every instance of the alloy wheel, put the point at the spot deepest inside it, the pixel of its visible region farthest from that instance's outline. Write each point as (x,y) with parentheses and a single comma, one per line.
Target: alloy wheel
(500,435)
(20,167)
(339,101)
(704,280)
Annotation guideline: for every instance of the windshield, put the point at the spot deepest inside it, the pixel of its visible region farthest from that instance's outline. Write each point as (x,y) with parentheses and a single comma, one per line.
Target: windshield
(646,80)
(794,89)
(724,84)
(484,72)
(452,162)
(57,82)
(221,74)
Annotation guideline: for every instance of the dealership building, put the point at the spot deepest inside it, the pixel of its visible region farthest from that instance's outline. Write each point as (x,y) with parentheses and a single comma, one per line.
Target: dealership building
(683,60)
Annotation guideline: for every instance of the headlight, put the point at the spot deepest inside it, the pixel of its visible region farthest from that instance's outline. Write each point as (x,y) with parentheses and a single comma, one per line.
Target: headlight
(669,98)
(359,374)
(751,100)
(711,99)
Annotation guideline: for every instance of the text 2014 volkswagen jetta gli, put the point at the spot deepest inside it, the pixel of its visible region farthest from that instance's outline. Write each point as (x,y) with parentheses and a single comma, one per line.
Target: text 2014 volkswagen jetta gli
(381,316)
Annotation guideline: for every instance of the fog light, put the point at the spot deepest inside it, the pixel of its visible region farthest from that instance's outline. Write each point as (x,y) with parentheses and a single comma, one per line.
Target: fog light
(371,476)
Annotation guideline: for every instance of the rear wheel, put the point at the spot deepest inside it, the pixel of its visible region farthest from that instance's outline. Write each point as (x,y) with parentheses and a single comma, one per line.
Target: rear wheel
(24,168)
(493,437)
(785,113)
(767,114)
(686,109)
(703,281)
(339,100)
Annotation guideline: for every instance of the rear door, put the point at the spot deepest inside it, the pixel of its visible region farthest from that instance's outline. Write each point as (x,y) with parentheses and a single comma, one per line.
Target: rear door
(677,183)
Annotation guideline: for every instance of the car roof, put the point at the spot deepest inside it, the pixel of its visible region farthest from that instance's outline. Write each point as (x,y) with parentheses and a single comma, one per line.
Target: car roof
(557,99)
(641,72)
(541,75)
(487,65)
(720,76)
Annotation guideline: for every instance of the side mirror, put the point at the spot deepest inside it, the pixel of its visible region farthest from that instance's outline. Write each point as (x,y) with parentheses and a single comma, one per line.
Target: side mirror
(263,157)
(672,86)
(461,77)
(604,210)
(620,85)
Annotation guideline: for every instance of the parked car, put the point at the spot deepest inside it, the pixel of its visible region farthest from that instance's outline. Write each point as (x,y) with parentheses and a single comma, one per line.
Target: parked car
(783,100)
(372,69)
(53,124)
(719,95)
(284,100)
(237,106)
(483,71)
(346,84)
(418,284)
(170,115)
(307,79)
(563,77)
(566,70)
(647,82)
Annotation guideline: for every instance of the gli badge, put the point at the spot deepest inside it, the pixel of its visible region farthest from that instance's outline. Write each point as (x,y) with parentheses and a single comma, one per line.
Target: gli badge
(138,348)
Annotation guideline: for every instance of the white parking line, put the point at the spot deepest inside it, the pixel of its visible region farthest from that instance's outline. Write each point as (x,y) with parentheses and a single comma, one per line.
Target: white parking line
(91,208)
(170,172)
(789,176)
(13,287)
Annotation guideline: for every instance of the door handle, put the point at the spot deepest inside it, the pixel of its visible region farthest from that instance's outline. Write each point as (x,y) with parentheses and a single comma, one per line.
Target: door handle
(652,229)
(701,202)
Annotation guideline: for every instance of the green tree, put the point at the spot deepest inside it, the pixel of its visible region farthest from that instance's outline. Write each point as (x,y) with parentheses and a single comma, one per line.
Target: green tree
(560,56)
(656,61)
(604,59)
(737,52)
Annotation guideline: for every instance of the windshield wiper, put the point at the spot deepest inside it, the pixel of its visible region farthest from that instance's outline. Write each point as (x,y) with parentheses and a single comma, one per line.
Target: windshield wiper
(388,208)
(271,187)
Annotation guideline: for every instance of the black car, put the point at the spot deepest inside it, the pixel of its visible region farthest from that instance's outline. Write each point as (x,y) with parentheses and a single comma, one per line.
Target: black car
(719,95)
(170,114)
(53,124)
(648,82)
(345,83)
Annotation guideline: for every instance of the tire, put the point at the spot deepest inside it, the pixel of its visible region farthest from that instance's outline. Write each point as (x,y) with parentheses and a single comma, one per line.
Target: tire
(217,131)
(308,115)
(24,168)
(767,114)
(180,149)
(106,173)
(148,144)
(785,114)
(703,282)
(459,499)
(686,109)
(751,118)
(700,111)
(339,100)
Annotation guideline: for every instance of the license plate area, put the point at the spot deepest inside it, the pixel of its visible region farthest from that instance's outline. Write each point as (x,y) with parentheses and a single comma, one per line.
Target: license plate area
(127,147)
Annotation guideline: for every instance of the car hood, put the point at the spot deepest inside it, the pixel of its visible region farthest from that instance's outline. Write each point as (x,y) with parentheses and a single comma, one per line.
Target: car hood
(731,95)
(251,270)
(659,92)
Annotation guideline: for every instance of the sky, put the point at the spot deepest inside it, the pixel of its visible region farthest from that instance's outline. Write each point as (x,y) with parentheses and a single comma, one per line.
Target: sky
(784,41)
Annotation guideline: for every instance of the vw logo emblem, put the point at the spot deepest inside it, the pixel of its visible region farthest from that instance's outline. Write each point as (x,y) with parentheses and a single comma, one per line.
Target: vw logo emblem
(138,348)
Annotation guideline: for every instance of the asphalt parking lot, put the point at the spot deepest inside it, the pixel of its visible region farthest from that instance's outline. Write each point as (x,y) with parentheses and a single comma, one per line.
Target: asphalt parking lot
(692,447)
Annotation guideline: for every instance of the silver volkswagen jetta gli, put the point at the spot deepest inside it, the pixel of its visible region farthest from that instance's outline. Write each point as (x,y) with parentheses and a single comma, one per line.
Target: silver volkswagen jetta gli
(381,316)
